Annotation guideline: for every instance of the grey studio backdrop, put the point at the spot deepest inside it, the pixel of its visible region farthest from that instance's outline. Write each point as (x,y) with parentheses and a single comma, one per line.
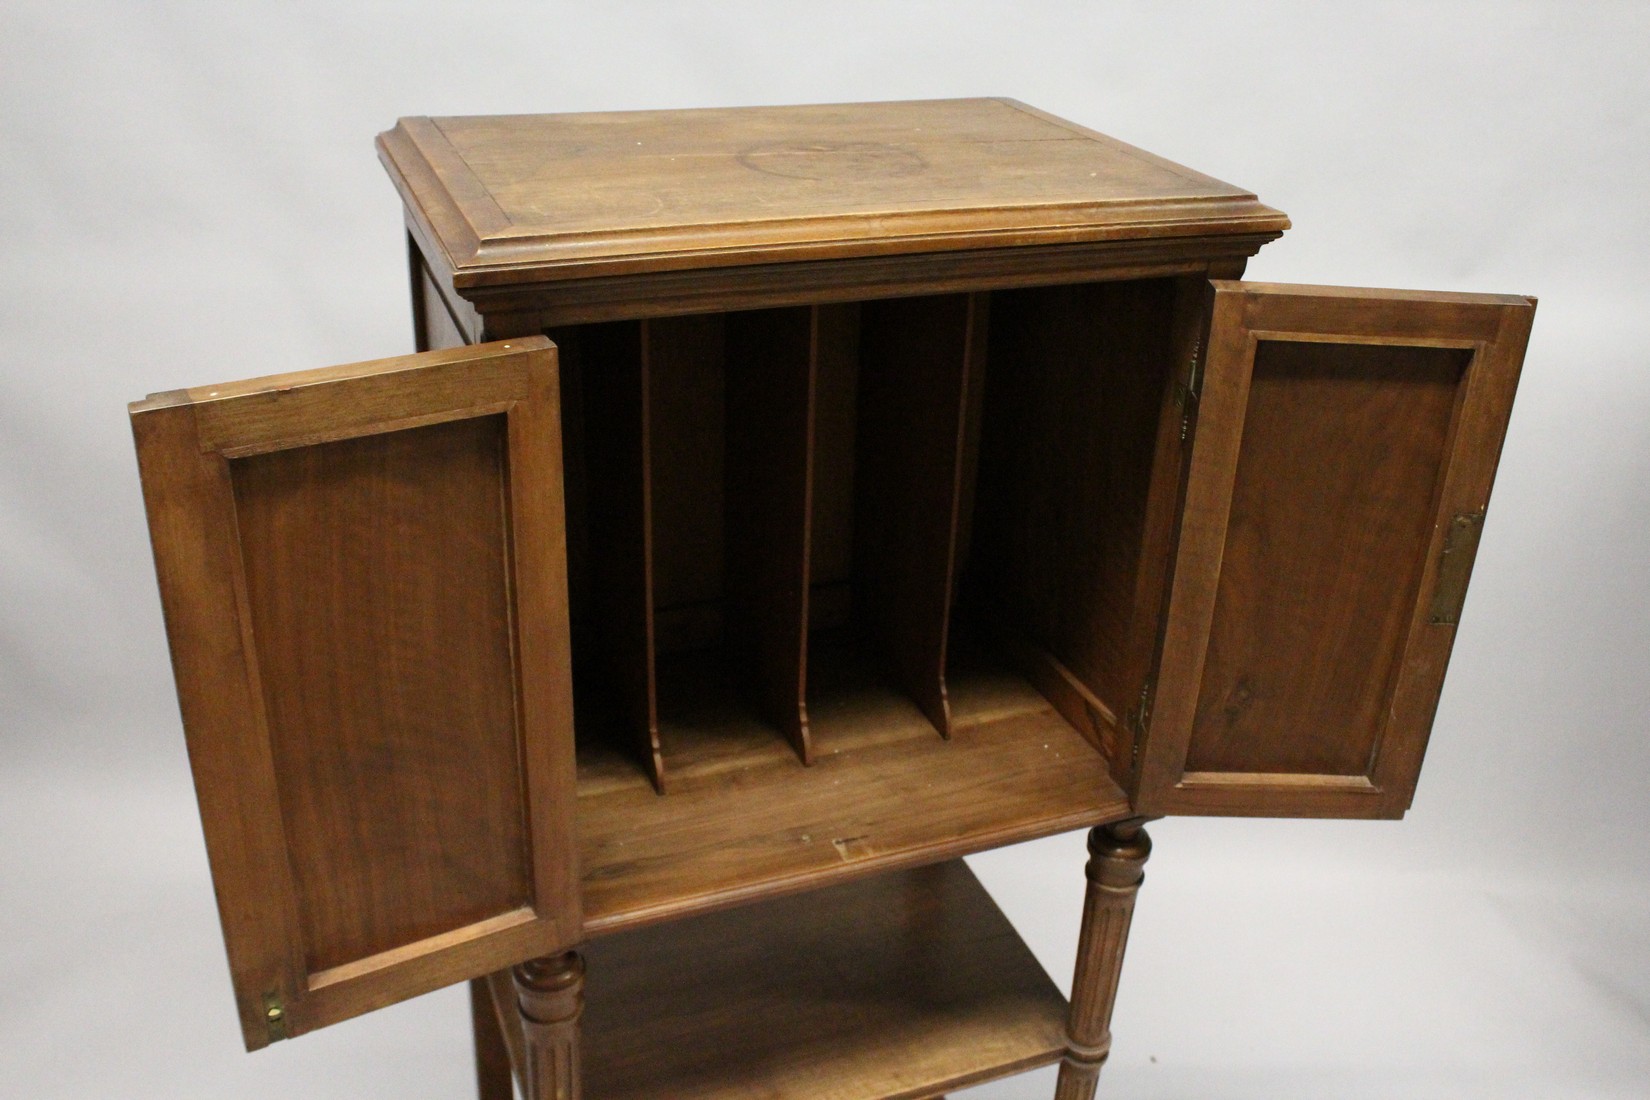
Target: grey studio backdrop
(190,195)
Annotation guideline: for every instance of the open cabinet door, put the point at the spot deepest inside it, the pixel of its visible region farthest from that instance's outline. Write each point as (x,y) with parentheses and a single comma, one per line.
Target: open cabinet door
(363,573)
(1345,445)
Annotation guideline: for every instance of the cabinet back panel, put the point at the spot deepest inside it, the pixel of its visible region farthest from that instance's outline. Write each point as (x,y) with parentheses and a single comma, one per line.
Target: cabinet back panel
(687,424)
(1072,405)
(1300,660)
(836,402)
(381,622)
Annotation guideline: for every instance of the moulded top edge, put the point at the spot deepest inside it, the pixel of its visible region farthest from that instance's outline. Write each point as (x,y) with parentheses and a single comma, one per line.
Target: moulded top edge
(529,197)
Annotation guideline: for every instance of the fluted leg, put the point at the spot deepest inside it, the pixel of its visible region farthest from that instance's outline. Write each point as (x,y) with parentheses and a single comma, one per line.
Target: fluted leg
(550,995)
(1117,861)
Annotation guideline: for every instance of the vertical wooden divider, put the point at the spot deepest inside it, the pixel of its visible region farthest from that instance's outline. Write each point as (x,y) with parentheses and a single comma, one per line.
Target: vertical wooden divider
(772,364)
(920,356)
(612,366)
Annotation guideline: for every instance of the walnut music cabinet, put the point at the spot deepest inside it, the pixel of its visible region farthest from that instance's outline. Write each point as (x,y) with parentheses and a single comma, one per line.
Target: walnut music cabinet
(783,504)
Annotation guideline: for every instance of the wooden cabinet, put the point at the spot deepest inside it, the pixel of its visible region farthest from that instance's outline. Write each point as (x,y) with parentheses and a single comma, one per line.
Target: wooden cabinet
(897,481)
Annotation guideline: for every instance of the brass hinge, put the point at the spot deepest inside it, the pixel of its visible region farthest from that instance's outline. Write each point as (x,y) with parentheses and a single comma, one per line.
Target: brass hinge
(1454,566)
(275,1016)
(1141,713)
(1185,391)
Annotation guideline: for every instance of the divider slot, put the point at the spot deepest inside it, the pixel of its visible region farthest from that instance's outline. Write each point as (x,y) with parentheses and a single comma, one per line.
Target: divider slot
(605,372)
(919,357)
(771,514)
(836,412)
(772,358)
(1079,473)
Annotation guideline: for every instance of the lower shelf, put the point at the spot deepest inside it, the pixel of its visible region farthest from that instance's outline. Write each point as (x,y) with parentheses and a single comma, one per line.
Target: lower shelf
(903,985)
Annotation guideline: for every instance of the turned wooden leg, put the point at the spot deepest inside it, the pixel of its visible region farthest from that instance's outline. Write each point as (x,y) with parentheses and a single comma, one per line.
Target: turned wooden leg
(550,995)
(492,1056)
(1117,862)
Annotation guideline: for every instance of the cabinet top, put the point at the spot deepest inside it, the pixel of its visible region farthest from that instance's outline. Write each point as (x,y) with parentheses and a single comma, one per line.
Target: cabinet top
(525,198)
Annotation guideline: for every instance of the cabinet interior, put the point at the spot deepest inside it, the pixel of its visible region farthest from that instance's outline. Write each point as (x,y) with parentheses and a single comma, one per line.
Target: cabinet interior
(803,531)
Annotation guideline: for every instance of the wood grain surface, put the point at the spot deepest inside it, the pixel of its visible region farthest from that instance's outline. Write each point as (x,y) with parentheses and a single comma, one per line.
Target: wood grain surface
(744,818)
(1339,433)
(365,590)
(375,754)
(524,198)
(1334,493)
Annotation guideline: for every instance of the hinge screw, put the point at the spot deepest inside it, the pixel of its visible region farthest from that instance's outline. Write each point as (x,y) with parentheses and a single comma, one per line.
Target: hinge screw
(274,1016)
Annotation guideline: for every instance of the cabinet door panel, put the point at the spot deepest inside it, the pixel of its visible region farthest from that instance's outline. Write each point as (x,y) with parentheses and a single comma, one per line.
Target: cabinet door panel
(1346,442)
(364,579)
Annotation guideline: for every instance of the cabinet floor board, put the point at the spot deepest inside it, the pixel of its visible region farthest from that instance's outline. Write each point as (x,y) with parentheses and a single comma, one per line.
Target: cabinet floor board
(748,819)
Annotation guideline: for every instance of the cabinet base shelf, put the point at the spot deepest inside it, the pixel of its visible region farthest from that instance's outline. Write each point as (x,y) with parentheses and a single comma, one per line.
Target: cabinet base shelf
(903,985)
(886,792)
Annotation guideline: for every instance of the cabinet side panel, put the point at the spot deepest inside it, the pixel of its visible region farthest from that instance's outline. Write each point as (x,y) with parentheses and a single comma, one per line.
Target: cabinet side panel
(377,580)
(1335,491)
(431,314)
